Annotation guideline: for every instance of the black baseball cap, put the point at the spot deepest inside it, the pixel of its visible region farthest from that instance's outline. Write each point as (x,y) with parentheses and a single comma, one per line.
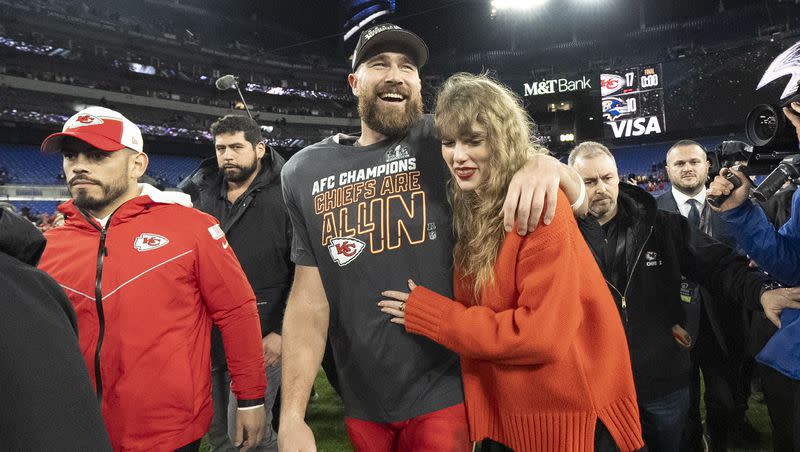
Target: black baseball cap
(389,38)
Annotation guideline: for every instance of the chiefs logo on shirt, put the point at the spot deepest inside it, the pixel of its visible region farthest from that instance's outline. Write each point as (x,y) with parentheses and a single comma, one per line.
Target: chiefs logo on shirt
(345,249)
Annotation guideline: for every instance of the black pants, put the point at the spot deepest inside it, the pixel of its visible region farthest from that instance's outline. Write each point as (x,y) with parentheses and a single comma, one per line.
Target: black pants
(727,388)
(782,395)
(603,442)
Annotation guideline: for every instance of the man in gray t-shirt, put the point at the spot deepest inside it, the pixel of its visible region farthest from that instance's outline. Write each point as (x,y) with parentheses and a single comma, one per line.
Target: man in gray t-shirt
(369,212)
(370,217)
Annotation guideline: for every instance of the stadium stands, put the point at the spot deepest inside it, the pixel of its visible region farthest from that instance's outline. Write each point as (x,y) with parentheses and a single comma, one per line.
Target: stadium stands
(26,165)
(171,168)
(263,94)
(621,44)
(94,57)
(36,207)
(52,110)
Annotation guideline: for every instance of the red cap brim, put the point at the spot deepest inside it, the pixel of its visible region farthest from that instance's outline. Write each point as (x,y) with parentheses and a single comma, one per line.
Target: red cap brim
(52,143)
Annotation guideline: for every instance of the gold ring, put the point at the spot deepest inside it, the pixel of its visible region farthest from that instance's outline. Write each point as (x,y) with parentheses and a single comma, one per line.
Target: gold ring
(402,306)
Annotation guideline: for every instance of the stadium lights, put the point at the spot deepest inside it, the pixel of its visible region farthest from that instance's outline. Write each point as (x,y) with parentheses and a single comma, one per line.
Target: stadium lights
(515,5)
(567,137)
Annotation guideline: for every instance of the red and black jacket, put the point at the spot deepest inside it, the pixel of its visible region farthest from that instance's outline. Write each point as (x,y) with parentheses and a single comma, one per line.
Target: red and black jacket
(146,288)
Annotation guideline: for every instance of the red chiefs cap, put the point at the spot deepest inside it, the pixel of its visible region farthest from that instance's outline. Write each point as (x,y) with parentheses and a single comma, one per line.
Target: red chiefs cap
(102,128)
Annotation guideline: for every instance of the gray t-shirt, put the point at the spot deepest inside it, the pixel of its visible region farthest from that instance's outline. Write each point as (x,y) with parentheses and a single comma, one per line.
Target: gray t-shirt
(370,218)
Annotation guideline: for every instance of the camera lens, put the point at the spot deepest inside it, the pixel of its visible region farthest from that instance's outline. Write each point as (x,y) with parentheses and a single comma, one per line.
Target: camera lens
(762,124)
(765,126)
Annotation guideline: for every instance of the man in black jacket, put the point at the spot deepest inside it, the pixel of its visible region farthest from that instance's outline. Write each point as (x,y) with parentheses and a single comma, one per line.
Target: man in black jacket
(718,328)
(241,188)
(643,253)
(46,399)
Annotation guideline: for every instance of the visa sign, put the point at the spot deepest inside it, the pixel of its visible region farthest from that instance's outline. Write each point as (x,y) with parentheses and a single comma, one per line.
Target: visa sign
(554,86)
(635,127)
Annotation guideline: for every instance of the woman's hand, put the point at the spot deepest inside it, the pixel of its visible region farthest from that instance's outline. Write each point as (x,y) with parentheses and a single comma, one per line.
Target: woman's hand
(395,306)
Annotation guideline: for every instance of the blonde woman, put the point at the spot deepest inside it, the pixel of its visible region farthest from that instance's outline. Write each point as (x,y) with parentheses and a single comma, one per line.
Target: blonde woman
(544,356)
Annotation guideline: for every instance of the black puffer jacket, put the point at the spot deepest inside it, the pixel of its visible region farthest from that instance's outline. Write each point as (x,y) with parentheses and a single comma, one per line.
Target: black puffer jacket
(258,229)
(46,399)
(658,251)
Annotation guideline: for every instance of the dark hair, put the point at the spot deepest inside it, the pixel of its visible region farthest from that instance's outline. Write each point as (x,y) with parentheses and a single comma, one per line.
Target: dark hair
(237,123)
(685,143)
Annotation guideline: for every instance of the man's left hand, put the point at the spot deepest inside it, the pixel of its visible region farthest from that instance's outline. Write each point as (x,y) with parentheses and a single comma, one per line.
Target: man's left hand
(252,424)
(682,337)
(775,301)
(271,345)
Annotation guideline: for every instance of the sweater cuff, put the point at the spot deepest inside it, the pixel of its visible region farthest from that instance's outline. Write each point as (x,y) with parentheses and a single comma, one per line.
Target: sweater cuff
(424,311)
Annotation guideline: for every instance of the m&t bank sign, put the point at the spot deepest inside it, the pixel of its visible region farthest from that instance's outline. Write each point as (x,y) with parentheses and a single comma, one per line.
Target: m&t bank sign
(555,86)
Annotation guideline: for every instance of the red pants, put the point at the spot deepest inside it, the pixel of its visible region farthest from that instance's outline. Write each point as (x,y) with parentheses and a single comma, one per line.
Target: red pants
(440,431)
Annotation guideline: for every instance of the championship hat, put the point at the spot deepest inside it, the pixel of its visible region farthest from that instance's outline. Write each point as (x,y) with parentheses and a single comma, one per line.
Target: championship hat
(102,128)
(389,38)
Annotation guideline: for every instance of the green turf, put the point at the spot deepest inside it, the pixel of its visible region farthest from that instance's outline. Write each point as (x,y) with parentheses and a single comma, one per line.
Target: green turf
(325,415)
(759,418)
(757,414)
(326,419)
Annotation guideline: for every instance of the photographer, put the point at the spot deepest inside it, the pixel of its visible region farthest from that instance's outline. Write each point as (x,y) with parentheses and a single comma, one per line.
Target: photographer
(778,253)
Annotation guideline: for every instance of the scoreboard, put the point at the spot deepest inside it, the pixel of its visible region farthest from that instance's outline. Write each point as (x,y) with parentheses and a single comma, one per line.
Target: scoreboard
(633,102)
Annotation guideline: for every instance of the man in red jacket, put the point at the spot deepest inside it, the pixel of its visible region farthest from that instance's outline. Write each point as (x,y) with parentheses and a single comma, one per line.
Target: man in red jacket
(147,275)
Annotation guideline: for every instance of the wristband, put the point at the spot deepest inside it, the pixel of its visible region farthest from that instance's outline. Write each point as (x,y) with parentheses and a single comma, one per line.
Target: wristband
(769,285)
(250,403)
(248,408)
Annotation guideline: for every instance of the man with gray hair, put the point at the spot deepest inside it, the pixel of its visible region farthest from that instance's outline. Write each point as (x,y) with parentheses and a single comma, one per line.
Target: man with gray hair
(588,149)
(643,252)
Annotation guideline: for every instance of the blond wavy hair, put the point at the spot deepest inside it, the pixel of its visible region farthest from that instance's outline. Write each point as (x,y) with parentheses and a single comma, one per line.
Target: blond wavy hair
(465,99)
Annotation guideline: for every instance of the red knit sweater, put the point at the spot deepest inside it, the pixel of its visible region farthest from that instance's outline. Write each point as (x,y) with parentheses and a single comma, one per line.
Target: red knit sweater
(544,354)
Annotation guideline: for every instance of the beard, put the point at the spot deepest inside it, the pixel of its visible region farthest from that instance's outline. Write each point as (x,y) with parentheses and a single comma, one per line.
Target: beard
(389,121)
(598,209)
(238,173)
(83,198)
(686,187)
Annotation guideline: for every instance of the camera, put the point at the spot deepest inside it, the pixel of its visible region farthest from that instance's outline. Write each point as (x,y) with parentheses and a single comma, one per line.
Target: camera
(773,148)
(773,151)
